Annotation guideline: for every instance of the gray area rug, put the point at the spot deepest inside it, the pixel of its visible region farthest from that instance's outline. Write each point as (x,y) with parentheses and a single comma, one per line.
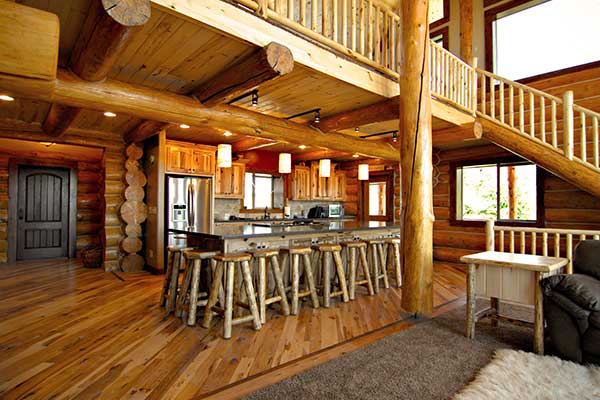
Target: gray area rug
(432,360)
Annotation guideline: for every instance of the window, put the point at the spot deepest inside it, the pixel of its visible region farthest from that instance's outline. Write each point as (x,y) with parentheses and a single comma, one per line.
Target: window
(536,37)
(439,11)
(377,195)
(498,191)
(440,36)
(262,190)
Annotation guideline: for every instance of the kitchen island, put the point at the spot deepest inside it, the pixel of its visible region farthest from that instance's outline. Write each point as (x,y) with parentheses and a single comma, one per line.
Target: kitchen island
(280,234)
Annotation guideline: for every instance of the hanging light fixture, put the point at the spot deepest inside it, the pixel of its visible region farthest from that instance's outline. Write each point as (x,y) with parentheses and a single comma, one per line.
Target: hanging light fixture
(325,168)
(224,156)
(363,172)
(285,163)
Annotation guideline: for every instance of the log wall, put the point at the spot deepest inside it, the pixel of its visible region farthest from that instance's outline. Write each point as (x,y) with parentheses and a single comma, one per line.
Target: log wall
(100,191)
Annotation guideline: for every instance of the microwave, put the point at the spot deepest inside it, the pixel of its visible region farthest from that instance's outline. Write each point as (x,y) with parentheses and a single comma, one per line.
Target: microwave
(336,211)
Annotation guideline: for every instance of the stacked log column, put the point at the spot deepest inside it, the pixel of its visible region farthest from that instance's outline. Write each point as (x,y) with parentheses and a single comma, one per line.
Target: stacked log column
(133,210)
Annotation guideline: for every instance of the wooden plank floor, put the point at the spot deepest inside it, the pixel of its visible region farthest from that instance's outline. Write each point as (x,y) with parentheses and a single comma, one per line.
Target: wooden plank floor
(70,332)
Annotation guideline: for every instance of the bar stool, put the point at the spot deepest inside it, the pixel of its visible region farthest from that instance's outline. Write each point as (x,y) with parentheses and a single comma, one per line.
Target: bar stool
(377,255)
(266,258)
(168,295)
(325,252)
(190,297)
(295,254)
(361,247)
(230,262)
(393,258)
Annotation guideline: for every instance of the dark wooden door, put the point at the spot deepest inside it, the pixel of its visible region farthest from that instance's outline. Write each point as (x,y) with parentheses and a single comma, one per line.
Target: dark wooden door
(42,213)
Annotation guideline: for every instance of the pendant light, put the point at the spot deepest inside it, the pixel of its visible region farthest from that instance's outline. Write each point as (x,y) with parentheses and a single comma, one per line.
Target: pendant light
(325,168)
(224,156)
(285,163)
(363,172)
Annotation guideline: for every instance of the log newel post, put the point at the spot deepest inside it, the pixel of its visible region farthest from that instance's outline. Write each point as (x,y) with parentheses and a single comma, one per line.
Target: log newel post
(416,159)
(466,30)
(489,235)
(568,124)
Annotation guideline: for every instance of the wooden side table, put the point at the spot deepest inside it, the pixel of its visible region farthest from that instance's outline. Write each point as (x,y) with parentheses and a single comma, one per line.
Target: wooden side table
(500,282)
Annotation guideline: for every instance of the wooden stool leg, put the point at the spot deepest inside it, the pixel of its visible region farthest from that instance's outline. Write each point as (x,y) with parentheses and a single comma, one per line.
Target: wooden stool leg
(375,260)
(285,308)
(341,275)
(310,278)
(383,263)
(398,268)
(352,272)
(196,266)
(295,283)
(365,268)
(251,295)
(229,289)
(262,288)
(167,280)
(495,305)
(174,281)
(185,287)
(213,295)
(237,291)
(326,266)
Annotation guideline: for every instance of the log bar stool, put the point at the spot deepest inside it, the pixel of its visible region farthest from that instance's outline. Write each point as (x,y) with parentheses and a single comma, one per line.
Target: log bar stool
(353,261)
(393,258)
(324,251)
(168,296)
(377,254)
(190,297)
(295,255)
(229,262)
(266,258)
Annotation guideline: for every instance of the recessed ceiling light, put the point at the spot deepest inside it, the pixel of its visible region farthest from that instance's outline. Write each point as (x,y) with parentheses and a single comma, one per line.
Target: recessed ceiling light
(5,97)
(109,114)
(355,155)
(302,146)
(184,126)
(47,144)
(227,133)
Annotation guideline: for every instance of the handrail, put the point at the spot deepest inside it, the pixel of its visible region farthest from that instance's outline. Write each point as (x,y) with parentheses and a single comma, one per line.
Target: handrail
(451,79)
(528,243)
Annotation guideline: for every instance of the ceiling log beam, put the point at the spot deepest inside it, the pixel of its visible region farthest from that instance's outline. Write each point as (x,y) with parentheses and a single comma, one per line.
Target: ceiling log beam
(265,64)
(319,154)
(385,110)
(251,143)
(146,103)
(105,32)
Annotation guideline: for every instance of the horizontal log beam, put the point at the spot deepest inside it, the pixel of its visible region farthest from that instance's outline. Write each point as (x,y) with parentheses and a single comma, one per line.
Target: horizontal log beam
(545,156)
(146,103)
(144,130)
(382,111)
(319,154)
(251,143)
(264,65)
(105,32)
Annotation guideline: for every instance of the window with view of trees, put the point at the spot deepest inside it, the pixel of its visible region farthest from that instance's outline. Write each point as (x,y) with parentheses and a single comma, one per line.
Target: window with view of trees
(502,192)
(262,191)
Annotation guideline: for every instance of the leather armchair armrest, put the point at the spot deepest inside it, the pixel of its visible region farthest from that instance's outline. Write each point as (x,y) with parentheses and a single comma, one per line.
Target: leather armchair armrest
(583,290)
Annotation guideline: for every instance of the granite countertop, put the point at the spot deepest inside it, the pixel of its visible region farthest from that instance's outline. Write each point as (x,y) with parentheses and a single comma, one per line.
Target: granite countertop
(258,220)
(259,229)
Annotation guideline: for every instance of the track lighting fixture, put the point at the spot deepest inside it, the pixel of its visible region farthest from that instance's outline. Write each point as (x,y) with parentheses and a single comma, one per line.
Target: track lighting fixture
(254,98)
(395,137)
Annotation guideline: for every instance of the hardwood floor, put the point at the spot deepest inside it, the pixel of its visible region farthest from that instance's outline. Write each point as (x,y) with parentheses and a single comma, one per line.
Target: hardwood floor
(70,332)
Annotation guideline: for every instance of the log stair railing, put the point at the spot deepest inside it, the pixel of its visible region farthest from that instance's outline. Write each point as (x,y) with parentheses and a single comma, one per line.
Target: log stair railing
(537,241)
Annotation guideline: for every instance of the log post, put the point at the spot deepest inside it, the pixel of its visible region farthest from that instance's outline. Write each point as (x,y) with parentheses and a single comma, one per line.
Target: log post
(466,30)
(416,159)
(105,32)
(489,235)
(568,124)
(512,193)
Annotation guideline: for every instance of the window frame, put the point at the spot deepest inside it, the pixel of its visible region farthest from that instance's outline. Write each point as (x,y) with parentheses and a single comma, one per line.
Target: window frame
(445,18)
(243,209)
(444,32)
(540,211)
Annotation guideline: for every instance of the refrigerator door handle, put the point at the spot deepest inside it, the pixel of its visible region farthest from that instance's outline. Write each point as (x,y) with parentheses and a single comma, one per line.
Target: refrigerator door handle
(191,200)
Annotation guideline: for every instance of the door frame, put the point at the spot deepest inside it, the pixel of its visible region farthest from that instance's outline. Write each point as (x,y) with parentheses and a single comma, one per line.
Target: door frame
(13,192)
(386,176)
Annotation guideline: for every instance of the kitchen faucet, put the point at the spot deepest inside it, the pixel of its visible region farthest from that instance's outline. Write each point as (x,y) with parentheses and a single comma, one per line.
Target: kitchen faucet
(266,215)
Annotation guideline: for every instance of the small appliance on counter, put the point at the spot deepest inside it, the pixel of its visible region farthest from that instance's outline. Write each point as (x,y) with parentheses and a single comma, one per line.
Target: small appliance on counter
(336,211)
(317,212)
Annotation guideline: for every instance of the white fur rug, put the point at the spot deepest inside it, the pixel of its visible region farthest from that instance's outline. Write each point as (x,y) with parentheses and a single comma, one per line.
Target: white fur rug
(516,374)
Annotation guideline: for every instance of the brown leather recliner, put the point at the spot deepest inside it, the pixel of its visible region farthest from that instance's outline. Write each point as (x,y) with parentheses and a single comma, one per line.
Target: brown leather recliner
(572,306)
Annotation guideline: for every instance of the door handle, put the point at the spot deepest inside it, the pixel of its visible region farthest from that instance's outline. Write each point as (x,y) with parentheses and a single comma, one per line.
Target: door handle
(20,213)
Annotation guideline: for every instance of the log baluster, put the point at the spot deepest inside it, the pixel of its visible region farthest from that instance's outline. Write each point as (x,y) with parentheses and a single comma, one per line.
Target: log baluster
(532,114)
(596,143)
(521,111)
(557,245)
(568,124)
(533,243)
(583,139)
(569,267)
(544,243)
(543,118)
(554,124)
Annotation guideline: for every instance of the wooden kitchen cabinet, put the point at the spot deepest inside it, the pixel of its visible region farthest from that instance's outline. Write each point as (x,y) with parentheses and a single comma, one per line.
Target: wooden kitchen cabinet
(189,158)
(321,188)
(300,186)
(229,182)
(338,187)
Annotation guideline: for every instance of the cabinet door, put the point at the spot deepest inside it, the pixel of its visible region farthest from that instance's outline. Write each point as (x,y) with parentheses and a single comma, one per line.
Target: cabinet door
(223,182)
(340,186)
(178,159)
(301,183)
(203,162)
(238,172)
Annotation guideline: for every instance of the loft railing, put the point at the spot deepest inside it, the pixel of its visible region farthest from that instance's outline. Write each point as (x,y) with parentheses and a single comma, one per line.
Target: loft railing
(537,241)
(451,79)
(557,123)
(365,30)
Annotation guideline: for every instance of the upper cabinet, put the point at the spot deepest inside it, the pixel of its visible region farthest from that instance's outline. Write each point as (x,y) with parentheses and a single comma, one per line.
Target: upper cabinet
(300,183)
(189,158)
(229,182)
(338,189)
(320,187)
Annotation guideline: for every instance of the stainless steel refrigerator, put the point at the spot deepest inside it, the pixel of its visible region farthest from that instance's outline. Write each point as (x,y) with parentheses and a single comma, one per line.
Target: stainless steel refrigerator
(189,205)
